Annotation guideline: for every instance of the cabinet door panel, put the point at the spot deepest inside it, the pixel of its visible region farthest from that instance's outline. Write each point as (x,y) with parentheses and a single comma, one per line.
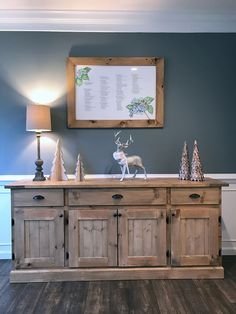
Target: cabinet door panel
(194,236)
(39,237)
(142,237)
(92,238)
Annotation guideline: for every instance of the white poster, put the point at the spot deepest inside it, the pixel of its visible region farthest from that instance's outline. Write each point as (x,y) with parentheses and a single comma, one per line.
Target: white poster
(115,92)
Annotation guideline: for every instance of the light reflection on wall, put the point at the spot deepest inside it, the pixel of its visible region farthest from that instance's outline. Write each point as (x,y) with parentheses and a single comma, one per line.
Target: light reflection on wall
(43,96)
(47,143)
(29,152)
(36,90)
(34,85)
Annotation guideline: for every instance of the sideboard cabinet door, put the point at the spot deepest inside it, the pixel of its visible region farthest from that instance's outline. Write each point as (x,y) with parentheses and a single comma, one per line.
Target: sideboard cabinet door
(39,237)
(92,238)
(142,236)
(194,236)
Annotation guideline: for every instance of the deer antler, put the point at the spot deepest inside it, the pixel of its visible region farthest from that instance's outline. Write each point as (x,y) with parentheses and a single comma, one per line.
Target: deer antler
(117,142)
(129,141)
(117,133)
(123,145)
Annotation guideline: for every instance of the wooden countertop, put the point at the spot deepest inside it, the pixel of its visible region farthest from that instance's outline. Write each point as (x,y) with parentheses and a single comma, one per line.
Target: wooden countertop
(115,183)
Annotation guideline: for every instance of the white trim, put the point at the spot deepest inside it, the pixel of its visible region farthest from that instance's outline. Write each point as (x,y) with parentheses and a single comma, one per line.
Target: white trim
(3,191)
(5,255)
(230,188)
(117,21)
(228,251)
(15,177)
(222,176)
(229,240)
(5,250)
(5,178)
(5,244)
(228,177)
(229,247)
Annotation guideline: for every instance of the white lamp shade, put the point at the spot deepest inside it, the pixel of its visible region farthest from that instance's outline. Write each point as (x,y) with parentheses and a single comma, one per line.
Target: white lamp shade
(38,118)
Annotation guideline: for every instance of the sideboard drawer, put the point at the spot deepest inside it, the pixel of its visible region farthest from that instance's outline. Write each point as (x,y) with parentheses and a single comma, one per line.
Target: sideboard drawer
(38,197)
(195,196)
(128,196)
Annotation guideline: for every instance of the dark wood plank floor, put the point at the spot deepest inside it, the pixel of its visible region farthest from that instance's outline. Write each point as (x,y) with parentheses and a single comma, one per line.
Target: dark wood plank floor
(142,296)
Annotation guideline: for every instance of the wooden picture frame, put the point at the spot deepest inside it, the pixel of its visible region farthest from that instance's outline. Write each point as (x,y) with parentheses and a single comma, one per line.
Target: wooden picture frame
(142,112)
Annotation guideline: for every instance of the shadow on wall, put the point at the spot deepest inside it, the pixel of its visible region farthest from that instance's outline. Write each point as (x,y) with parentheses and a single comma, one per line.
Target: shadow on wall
(105,47)
(18,147)
(12,124)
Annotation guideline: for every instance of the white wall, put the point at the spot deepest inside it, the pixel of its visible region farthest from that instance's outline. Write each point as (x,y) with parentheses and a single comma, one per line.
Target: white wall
(228,214)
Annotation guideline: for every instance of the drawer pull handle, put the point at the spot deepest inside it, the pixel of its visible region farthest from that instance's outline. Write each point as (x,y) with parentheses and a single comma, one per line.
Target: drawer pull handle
(117,196)
(117,215)
(194,196)
(38,197)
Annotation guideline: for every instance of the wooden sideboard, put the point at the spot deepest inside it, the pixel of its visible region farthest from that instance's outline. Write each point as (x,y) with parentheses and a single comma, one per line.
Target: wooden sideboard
(105,229)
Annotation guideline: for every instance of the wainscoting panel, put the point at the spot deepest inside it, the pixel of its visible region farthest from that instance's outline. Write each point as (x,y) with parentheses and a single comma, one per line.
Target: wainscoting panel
(229,220)
(5,222)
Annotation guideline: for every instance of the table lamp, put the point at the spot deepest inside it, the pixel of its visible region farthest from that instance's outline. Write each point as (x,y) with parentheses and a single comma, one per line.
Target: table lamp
(38,119)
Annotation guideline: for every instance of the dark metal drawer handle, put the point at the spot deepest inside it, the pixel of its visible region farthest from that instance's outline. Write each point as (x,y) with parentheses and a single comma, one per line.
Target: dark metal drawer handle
(38,197)
(194,196)
(117,196)
(117,215)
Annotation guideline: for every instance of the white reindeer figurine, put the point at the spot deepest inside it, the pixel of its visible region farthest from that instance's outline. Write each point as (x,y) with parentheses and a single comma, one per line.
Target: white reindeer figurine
(125,161)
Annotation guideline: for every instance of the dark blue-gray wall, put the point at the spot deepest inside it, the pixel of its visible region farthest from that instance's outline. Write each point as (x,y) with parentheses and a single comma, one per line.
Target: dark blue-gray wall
(200,100)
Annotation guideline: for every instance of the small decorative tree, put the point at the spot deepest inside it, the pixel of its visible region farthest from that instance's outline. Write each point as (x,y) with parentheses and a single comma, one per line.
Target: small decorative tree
(196,166)
(58,172)
(79,170)
(184,171)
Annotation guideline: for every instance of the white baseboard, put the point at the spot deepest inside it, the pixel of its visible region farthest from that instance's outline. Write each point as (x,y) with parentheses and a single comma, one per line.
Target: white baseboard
(229,247)
(5,255)
(228,251)
(5,251)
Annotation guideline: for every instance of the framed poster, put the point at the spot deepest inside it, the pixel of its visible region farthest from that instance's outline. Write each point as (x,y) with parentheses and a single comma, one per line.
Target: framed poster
(115,92)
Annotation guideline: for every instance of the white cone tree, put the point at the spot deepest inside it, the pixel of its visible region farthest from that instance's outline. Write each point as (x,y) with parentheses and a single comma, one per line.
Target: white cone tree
(79,169)
(184,171)
(58,172)
(196,166)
